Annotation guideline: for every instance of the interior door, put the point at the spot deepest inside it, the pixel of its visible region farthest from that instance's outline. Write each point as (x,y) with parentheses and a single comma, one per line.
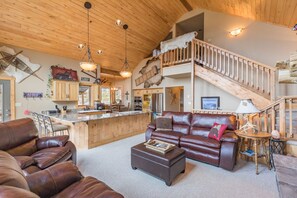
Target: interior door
(5,103)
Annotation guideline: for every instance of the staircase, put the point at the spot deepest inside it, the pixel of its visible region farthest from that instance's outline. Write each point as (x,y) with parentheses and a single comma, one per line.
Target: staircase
(241,77)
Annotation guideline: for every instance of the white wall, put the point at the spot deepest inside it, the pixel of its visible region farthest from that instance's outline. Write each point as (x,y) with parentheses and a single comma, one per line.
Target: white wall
(32,84)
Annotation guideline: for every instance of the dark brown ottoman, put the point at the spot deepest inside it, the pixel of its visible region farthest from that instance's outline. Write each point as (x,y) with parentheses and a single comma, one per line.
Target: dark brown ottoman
(165,166)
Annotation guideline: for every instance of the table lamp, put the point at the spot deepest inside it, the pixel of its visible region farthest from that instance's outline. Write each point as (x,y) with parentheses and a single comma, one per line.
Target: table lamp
(246,107)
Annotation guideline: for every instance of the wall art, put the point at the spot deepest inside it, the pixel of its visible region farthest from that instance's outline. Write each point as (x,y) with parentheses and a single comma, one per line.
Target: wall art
(17,65)
(61,73)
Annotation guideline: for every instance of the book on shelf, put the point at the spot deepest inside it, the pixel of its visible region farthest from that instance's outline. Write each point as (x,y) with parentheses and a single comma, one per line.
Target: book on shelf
(248,152)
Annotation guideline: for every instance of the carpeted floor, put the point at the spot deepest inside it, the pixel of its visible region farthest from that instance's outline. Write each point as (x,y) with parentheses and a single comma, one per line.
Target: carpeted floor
(111,164)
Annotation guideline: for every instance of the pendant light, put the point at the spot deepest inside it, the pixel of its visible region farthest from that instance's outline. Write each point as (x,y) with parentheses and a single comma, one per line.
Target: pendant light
(87,62)
(125,71)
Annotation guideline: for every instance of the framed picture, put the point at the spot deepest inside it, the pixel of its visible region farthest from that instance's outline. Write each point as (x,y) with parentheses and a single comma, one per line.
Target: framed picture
(61,73)
(211,103)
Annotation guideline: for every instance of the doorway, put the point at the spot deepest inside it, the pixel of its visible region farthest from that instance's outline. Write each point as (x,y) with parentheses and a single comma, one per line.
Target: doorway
(174,99)
(7,99)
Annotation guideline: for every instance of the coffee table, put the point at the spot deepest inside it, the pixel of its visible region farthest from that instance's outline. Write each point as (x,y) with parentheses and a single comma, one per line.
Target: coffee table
(165,166)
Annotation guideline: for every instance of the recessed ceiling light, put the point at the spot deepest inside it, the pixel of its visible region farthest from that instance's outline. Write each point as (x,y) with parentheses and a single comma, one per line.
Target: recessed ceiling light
(80,46)
(99,51)
(118,22)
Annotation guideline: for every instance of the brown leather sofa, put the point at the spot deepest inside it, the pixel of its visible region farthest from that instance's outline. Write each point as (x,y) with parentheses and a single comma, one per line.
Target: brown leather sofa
(190,132)
(60,180)
(20,139)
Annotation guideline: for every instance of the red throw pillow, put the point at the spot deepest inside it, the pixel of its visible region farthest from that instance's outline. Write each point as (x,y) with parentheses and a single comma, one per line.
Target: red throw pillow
(217,131)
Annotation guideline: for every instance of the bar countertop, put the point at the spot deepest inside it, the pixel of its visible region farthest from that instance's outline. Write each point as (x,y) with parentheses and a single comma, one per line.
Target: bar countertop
(75,117)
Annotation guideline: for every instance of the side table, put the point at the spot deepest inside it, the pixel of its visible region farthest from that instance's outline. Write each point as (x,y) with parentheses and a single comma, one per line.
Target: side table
(255,142)
(276,146)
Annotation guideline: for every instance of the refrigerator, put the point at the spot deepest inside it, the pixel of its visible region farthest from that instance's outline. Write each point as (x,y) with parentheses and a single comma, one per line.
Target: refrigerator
(156,104)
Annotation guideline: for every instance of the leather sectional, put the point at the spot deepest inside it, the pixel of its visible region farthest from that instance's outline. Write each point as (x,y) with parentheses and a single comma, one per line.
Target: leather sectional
(31,152)
(190,132)
(60,180)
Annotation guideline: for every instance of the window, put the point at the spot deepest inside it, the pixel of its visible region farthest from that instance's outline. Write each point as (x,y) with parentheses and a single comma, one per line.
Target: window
(118,95)
(105,95)
(84,96)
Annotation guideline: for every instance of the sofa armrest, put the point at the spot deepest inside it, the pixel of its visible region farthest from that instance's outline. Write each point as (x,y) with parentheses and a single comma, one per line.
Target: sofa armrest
(229,137)
(152,125)
(72,148)
(48,142)
(54,179)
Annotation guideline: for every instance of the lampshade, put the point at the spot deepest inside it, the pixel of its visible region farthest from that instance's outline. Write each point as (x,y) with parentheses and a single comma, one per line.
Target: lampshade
(125,74)
(88,66)
(246,106)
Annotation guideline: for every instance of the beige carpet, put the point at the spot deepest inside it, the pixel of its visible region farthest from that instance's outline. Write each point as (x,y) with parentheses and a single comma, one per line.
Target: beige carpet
(111,164)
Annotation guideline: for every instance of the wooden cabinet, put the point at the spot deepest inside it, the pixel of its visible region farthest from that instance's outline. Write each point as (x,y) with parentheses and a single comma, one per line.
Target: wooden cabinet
(65,90)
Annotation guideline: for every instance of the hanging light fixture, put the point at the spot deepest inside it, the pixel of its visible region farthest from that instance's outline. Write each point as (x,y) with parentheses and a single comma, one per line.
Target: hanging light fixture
(125,71)
(87,62)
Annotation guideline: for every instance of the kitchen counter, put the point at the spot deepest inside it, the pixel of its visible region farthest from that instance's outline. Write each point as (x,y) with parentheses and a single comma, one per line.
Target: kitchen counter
(81,117)
(89,131)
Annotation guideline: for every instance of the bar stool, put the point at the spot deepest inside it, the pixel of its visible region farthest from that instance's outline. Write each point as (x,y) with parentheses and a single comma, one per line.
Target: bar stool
(37,122)
(53,129)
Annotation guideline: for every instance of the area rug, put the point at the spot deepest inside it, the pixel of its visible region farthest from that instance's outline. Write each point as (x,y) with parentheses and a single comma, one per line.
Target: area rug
(110,163)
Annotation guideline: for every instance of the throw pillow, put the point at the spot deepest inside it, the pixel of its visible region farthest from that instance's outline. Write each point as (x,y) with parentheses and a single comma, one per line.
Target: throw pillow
(217,131)
(164,124)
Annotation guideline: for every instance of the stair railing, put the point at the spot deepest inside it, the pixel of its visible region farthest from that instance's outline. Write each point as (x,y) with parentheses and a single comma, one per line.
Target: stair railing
(253,75)
(278,116)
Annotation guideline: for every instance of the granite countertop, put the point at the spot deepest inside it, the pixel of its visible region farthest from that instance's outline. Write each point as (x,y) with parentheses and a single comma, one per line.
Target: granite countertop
(77,117)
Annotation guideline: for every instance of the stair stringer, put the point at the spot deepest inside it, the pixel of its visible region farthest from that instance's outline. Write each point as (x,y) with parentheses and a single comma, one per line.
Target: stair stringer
(231,87)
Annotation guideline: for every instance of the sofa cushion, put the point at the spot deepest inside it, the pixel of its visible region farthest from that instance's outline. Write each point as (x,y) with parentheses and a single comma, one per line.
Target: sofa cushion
(180,118)
(25,149)
(17,132)
(49,156)
(88,187)
(11,173)
(164,123)
(184,129)
(13,192)
(195,139)
(199,131)
(207,120)
(217,130)
(24,161)
(167,134)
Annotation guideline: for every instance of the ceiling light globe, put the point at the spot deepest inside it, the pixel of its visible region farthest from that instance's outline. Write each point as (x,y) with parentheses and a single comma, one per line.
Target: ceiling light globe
(126,74)
(88,66)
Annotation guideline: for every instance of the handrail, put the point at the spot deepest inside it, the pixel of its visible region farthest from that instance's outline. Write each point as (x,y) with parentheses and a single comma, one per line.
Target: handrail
(208,111)
(251,74)
(279,116)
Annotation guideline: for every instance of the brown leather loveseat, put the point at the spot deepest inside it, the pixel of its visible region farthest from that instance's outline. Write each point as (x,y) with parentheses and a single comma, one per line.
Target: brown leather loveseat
(20,139)
(190,132)
(60,180)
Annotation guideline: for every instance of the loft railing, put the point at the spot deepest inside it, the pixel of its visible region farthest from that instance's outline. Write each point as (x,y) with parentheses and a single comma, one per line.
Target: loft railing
(177,56)
(253,75)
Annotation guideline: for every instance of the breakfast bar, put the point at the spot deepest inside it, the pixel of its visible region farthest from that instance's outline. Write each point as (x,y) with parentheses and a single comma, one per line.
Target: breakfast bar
(91,130)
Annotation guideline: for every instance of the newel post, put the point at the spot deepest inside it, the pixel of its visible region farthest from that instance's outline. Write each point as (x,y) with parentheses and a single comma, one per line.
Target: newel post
(193,74)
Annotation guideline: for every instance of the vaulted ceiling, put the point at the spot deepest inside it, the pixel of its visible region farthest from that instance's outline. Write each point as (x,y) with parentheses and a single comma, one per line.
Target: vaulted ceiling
(58,26)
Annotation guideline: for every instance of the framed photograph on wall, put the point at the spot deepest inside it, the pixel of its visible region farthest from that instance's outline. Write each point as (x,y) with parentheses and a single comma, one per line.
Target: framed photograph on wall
(211,103)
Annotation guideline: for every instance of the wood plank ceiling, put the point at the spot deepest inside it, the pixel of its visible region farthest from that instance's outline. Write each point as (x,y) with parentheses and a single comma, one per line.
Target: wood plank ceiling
(58,26)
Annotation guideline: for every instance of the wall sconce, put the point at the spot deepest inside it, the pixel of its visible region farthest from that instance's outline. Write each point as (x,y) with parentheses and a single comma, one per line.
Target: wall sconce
(236,32)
